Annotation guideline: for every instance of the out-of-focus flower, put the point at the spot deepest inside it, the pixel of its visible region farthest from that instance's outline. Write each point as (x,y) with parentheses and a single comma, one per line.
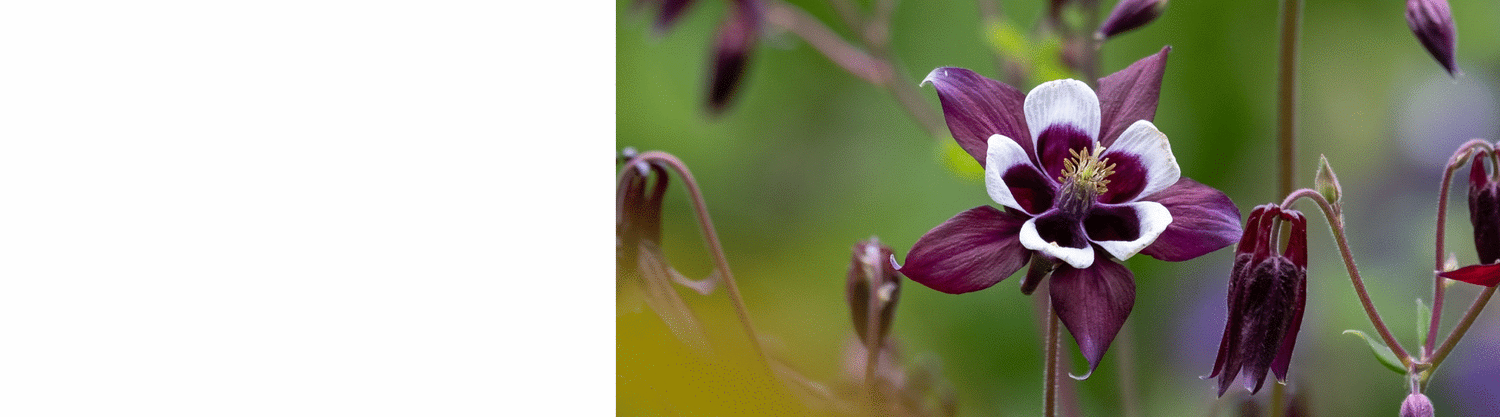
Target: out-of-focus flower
(1083,178)
(872,289)
(736,40)
(1129,15)
(915,391)
(1417,405)
(1484,214)
(1432,22)
(638,259)
(1267,295)
(667,12)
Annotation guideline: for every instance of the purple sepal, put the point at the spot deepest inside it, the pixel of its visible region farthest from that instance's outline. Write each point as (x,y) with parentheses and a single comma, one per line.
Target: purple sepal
(1486,275)
(971,251)
(1129,15)
(1093,304)
(977,108)
(1203,220)
(1129,95)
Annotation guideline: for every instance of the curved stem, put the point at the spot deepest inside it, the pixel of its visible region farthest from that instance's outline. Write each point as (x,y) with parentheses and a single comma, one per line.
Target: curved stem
(1286,94)
(1438,288)
(711,240)
(1336,224)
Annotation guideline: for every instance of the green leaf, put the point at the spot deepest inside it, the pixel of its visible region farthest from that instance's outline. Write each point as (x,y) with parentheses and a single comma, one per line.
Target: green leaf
(1381,352)
(1424,318)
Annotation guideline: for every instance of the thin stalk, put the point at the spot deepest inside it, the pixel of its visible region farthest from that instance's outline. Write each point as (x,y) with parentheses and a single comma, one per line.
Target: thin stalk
(1336,224)
(1438,289)
(872,63)
(1049,385)
(1124,346)
(1278,399)
(1286,94)
(711,240)
(1463,327)
(872,346)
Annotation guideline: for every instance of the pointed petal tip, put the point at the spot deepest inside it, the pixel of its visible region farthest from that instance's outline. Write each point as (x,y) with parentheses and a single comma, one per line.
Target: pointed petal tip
(1084,376)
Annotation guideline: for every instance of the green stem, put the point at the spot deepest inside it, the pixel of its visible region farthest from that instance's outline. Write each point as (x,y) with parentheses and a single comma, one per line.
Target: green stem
(1463,327)
(1336,224)
(1438,288)
(1286,94)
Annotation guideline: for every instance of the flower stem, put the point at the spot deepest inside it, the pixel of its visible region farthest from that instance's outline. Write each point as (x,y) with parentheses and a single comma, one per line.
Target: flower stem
(1438,288)
(1286,94)
(1463,327)
(1336,224)
(1049,385)
(711,240)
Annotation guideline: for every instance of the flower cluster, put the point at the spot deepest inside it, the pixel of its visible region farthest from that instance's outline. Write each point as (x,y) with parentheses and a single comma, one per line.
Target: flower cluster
(1083,180)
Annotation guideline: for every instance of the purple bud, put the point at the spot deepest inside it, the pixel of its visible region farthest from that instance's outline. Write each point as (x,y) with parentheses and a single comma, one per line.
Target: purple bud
(1417,405)
(1129,15)
(1432,22)
(873,288)
(732,48)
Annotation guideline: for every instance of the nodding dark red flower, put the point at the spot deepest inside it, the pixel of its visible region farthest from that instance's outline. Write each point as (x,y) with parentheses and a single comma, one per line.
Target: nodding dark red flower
(1083,179)
(639,262)
(1267,295)
(1484,214)
(873,288)
(1432,22)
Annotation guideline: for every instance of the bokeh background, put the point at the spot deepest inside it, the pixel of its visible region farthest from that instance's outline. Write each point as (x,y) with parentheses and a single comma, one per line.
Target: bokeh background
(809,160)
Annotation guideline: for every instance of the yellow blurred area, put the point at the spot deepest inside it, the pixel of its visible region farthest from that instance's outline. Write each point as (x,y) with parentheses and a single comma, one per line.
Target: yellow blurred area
(658,375)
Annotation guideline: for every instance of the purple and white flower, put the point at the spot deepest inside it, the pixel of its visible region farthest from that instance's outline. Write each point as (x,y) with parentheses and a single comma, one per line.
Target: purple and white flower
(1083,180)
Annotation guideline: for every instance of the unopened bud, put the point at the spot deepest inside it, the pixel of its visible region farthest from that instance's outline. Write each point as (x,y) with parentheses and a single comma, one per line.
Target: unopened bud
(1129,15)
(873,288)
(1432,22)
(735,41)
(1327,183)
(1417,405)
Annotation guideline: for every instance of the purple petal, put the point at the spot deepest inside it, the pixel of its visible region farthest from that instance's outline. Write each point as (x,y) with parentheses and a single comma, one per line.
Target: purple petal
(1093,304)
(969,252)
(1486,275)
(1058,235)
(1124,230)
(977,107)
(1484,212)
(1203,221)
(1053,144)
(1143,161)
(1012,181)
(1296,250)
(1130,95)
(1228,346)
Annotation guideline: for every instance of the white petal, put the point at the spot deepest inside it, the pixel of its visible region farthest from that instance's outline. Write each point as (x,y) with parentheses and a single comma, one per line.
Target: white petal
(1003,154)
(1062,102)
(1150,146)
(1076,257)
(1154,219)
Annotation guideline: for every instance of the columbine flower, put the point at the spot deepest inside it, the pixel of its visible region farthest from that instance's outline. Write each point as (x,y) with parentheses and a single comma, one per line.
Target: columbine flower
(1082,179)
(639,263)
(1267,295)
(732,47)
(1432,22)
(1484,213)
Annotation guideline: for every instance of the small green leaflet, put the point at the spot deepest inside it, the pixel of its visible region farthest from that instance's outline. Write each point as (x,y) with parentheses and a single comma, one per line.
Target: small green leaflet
(1381,352)
(1424,318)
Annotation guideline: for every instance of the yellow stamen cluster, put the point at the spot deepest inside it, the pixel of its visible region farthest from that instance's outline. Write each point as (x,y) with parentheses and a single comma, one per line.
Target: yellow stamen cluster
(1087,169)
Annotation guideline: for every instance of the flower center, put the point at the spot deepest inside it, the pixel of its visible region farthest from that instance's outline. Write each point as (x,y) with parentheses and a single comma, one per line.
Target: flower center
(1085,176)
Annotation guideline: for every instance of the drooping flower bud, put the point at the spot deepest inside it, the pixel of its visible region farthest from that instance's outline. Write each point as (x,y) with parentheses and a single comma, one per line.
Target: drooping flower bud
(639,263)
(1432,22)
(732,48)
(872,289)
(1417,405)
(1267,295)
(1129,15)
(1484,214)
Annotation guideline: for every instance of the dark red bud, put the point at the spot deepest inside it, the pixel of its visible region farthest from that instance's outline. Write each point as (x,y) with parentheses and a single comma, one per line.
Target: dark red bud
(1129,15)
(1432,22)
(872,289)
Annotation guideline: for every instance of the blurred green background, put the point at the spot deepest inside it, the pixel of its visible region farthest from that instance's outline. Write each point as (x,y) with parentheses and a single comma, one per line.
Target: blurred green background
(809,160)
